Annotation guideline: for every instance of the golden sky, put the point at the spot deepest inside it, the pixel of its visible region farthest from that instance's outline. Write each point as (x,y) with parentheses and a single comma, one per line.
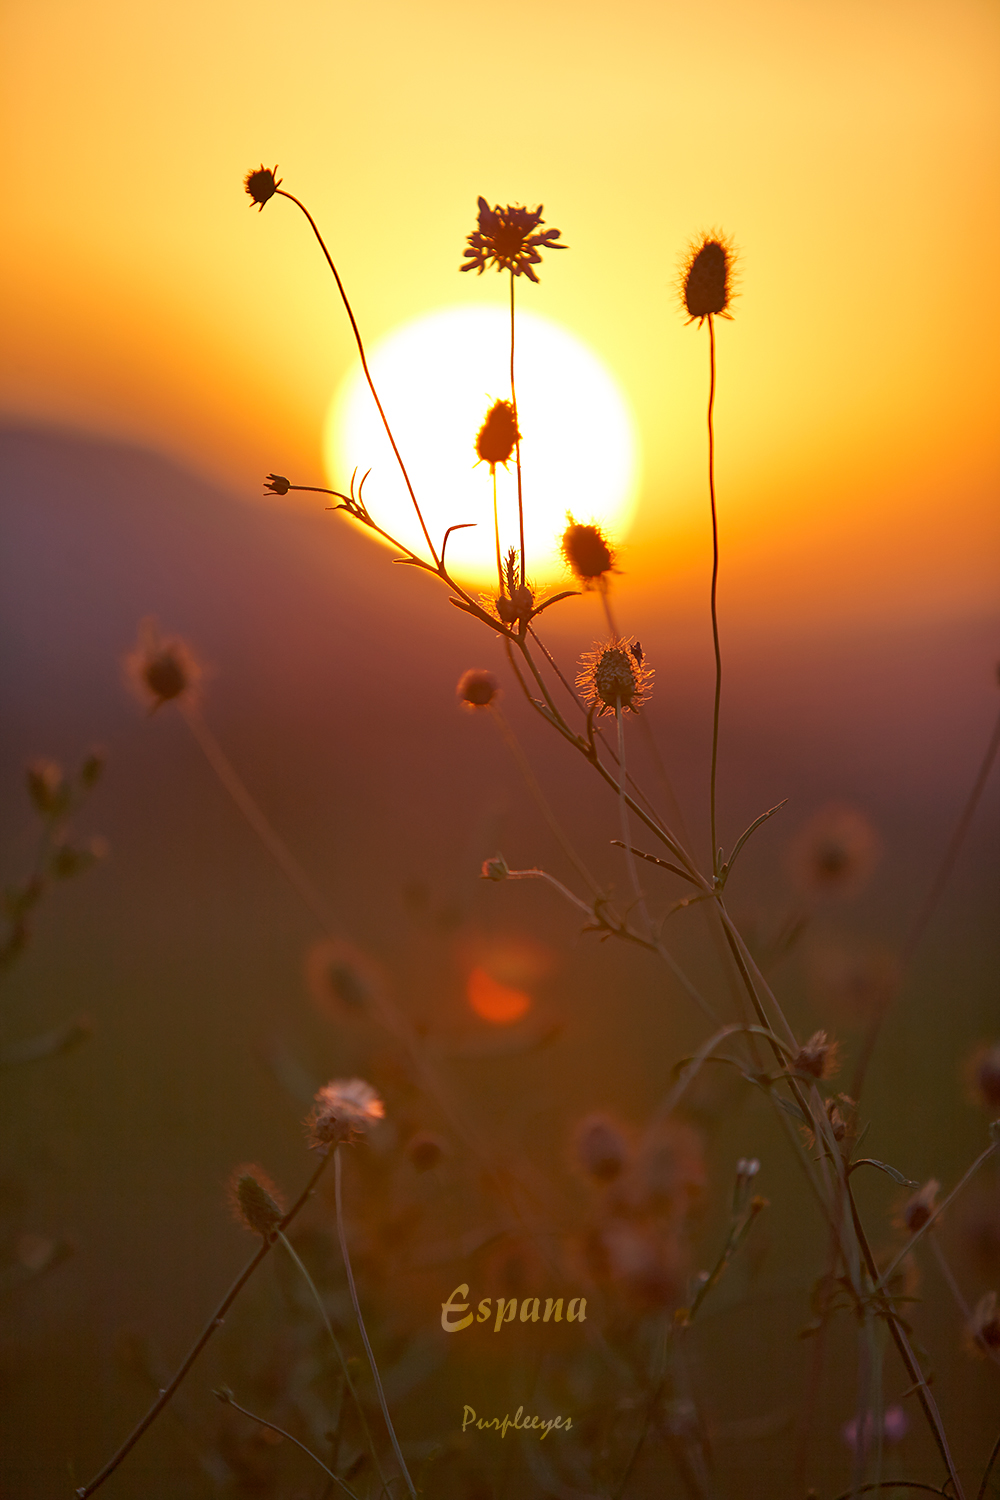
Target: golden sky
(851,148)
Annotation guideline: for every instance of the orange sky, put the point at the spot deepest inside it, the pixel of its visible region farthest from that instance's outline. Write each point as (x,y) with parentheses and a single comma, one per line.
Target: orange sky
(851,149)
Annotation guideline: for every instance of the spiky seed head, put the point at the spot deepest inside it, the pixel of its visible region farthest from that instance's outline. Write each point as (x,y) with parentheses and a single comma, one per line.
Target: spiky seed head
(615,676)
(343,1110)
(255,1200)
(498,436)
(262,184)
(477,688)
(587,553)
(706,278)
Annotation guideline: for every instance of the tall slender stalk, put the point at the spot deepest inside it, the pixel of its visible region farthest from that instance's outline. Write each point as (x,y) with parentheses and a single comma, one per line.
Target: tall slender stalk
(715,586)
(342,1236)
(517,430)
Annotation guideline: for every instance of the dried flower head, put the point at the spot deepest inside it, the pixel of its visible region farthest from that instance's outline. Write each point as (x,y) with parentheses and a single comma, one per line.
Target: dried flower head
(344,1110)
(919,1209)
(341,979)
(262,184)
(161,669)
(835,852)
(47,787)
(982,1072)
(255,1200)
(706,277)
(601,1147)
(615,676)
(498,436)
(477,688)
(506,238)
(982,1332)
(587,553)
(818,1056)
(276,484)
(496,868)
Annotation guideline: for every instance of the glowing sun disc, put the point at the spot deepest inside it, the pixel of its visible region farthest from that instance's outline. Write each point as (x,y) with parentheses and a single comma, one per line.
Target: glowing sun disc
(436,378)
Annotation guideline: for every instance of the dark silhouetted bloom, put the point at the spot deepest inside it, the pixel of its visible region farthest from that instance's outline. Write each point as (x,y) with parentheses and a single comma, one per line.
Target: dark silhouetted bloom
(276,484)
(615,676)
(506,238)
(818,1056)
(836,852)
(255,1200)
(344,1110)
(161,669)
(496,868)
(706,277)
(916,1211)
(262,184)
(587,552)
(496,439)
(477,688)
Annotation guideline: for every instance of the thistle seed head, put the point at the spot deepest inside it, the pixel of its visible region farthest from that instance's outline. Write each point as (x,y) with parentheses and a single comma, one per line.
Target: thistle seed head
(615,676)
(477,688)
(706,277)
(587,553)
(498,436)
(255,1200)
(262,184)
(344,1110)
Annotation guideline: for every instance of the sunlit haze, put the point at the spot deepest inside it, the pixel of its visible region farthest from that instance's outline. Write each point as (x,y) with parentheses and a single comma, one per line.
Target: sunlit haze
(436,379)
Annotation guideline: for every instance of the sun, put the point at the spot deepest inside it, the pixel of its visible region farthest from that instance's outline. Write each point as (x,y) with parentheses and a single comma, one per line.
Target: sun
(436,378)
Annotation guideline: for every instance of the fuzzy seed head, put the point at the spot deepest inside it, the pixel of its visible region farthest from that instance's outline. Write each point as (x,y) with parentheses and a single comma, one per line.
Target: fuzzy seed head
(835,853)
(498,436)
(262,184)
(587,553)
(477,688)
(615,676)
(255,1200)
(162,669)
(344,1110)
(706,279)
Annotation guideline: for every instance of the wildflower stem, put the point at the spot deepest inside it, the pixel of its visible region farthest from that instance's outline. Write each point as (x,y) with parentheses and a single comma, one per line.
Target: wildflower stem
(715,582)
(364,365)
(230,1400)
(337,1349)
(342,1236)
(496,527)
(536,874)
(517,430)
(991,1463)
(623,810)
(212,1326)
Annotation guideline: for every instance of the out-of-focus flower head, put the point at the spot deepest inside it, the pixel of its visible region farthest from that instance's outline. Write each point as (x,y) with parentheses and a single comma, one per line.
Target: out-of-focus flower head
(262,184)
(615,676)
(818,1057)
(508,239)
(857,983)
(706,277)
(588,553)
(477,688)
(344,1109)
(162,669)
(860,1435)
(255,1200)
(425,1150)
(498,436)
(341,980)
(982,1332)
(982,1075)
(918,1209)
(834,854)
(601,1147)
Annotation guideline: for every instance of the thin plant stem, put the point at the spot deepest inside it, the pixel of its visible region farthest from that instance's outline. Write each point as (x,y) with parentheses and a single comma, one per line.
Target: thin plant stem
(517,431)
(230,1400)
(339,1352)
(496,527)
(606,601)
(715,584)
(364,365)
(342,1236)
(563,890)
(956,1292)
(214,1323)
(990,1466)
(623,810)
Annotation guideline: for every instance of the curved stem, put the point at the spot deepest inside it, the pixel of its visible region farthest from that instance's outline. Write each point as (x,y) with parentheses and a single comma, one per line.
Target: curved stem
(990,1465)
(214,1323)
(715,583)
(517,431)
(230,1400)
(342,1236)
(364,365)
